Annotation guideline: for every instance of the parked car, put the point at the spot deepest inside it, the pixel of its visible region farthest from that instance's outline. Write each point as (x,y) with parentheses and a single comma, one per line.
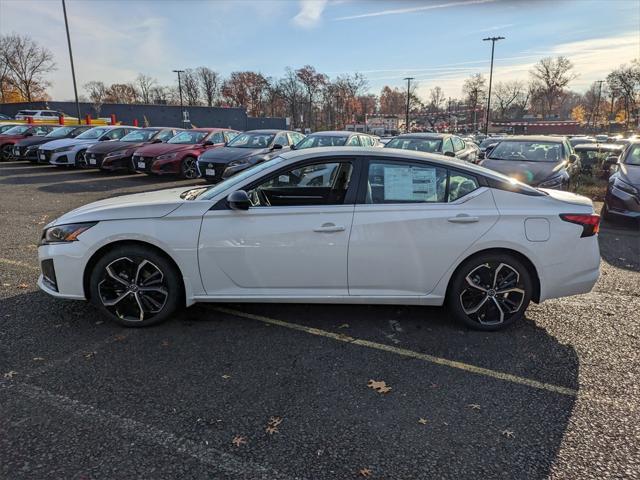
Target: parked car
(117,155)
(622,200)
(244,151)
(6,126)
(71,151)
(5,117)
(540,161)
(336,139)
(179,155)
(488,143)
(424,230)
(52,115)
(27,148)
(581,140)
(598,158)
(443,143)
(12,135)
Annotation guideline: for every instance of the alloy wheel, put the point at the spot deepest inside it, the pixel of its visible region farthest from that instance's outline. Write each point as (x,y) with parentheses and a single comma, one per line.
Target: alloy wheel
(189,169)
(493,293)
(7,152)
(133,290)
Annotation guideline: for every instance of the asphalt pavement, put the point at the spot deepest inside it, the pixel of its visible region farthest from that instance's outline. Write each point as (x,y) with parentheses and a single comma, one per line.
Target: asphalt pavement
(280,391)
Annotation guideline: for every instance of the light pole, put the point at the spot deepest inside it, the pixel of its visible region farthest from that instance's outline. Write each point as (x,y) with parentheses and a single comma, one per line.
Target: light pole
(595,122)
(406,119)
(180,92)
(73,71)
(493,46)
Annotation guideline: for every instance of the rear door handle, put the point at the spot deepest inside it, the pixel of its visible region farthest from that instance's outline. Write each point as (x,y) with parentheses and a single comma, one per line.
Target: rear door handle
(329,228)
(463,218)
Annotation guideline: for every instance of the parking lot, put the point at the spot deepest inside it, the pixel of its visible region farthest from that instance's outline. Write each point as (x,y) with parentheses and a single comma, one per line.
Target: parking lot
(285,391)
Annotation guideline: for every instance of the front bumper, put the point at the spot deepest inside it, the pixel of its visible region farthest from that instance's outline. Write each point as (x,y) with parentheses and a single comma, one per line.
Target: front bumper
(68,265)
(155,166)
(211,171)
(61,158)
(621,203)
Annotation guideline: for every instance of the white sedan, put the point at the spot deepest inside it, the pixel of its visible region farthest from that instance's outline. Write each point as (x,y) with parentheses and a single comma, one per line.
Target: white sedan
(383,226)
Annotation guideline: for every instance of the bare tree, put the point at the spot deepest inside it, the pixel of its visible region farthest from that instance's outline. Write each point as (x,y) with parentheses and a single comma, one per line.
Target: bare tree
(392,101)
(145,85)
(437,98)
(97,92)
(122,93)
(312,81)
(28,64)
(209,84)
(292,93)
(190,87)
(551,76)
(505,94)
(625,80)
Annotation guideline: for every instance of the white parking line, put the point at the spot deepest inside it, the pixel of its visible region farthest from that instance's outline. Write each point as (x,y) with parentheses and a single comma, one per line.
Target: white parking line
(466,367)
(145,433)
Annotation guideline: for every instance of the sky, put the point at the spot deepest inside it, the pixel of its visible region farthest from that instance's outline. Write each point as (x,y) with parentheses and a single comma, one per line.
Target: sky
(439,42)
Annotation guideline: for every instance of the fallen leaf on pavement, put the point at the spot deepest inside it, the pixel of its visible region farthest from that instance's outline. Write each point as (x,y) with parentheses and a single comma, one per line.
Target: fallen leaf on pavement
(379,386)
(275,421)
(38,359)
(422,421)
(165,343)
(89,354)
(474,406)
(225,376)
(119,338)
(239,440)
(344,325)
(10,374)
(365,472)
(271,430)
(23,285)
(508,433)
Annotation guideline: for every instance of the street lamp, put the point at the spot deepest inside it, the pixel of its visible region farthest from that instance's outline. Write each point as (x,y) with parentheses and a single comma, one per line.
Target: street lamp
(493,46)
(180,91)
(406,119)
(73,72)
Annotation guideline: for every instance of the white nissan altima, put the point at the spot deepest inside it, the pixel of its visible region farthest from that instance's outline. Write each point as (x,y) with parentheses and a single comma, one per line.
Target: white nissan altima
(329,225)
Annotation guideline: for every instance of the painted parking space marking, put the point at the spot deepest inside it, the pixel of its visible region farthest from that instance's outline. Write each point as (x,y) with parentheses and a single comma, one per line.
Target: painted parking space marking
(466,367)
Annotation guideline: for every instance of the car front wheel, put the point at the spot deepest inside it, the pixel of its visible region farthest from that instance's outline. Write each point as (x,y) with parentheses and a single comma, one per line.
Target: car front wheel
(135,286)
(6,153)
(490,291)
(189,168)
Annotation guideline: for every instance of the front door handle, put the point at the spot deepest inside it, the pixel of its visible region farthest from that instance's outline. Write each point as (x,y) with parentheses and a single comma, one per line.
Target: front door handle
(329,228)
(463,218)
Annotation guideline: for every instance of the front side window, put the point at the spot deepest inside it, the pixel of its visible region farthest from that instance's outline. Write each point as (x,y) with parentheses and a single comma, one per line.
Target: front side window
(282,139)
(428,145)
(460,184)
(447,146)
(139,135)
(252,140)
(295,137)
(166,135)
(188,137)
(322,141)
(315,184)
(231,135)
(395,182)
(60,132)
(116,134)
(353,141)
(93,133)
(217,137)
(457,144)
(42,130)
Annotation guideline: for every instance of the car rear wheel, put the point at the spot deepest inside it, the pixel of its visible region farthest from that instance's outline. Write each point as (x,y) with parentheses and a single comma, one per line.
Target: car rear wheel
(81,159)
(490,291)
(6,152)
(189,168)
(135,286)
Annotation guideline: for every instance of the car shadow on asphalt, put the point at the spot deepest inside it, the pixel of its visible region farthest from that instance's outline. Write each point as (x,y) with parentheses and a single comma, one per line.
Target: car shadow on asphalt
(620,245)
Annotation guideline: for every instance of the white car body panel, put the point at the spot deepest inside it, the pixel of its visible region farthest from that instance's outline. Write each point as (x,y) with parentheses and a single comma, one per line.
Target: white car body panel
(386,253)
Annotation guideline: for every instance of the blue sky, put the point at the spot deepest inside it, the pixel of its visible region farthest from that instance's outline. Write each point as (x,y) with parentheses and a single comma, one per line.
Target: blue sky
(439,42)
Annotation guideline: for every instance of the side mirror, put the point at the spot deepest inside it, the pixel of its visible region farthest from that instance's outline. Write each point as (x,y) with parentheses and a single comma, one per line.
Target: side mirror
(449,154)
(481,155)
(102,139)
(611,159)
(208,143)
(573,158)
(28,134)
(276,146)
(156,140)
(239,200)
(293,147)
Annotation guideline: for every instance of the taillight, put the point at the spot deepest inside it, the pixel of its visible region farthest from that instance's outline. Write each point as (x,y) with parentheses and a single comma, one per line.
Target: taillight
(590,222)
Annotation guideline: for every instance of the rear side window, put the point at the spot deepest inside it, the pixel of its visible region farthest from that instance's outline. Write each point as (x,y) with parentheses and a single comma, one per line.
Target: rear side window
(461,184)
(457,144)
(394,182)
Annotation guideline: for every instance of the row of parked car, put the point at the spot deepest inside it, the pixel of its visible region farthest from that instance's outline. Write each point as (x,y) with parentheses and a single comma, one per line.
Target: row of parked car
(218,153)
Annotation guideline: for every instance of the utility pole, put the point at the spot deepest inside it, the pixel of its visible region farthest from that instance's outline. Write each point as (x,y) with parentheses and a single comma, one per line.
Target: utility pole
(595,122)
(406,119)
(180,91)
(73,71)
(493,46)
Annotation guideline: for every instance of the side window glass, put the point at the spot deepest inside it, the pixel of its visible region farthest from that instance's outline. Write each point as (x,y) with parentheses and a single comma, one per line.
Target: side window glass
(460,184)
(282,139)
(447,146)
(353,141)
(231,135)
(166,135)
(217,137)
(316,184)
(457,144)
(405,183)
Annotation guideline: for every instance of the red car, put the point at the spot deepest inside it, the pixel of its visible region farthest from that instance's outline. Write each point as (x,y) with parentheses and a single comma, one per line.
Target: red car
(179,155)
(9,137)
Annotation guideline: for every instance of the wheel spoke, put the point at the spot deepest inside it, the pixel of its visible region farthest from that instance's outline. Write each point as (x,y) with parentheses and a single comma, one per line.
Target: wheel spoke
(473,284)
(115,301)
(137,297)
(470,311)
(500,309)
(510,290)
(155,305)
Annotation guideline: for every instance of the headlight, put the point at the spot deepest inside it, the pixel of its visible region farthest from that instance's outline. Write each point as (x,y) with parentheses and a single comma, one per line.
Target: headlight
(63,149)
(237,163)
(555,181)
(64,233)
(167,156)
(625,187)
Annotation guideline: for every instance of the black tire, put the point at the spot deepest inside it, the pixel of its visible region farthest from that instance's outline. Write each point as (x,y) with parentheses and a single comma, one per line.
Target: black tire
(189,168)
(482,300)
(81,161)
(153,294)
(6,152)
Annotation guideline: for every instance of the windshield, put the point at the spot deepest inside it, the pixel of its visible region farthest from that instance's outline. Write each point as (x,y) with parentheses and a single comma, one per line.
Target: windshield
(189,137)
(139,136)
(418,144)
(231,181)
(489,141)
(322,141)
(527,151)
(60,132)
(17,130)
(633,157)
(252,140)
(93,133)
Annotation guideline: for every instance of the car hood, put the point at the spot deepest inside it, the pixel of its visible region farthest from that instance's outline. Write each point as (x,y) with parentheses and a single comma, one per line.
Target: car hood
(531,173)
(139,205)
(108,147)
(157,149)
(630,174)
(66,142)
(228,154)
(12,138)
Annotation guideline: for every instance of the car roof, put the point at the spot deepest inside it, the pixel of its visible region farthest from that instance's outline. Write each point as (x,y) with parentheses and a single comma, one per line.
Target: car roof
(598,146)
(424,135)
(534,138)
(217,129)
(335,133)
(268,130)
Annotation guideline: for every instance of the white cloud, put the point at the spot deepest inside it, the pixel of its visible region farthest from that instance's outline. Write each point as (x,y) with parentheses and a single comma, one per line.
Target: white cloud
(310,13)
(400,11)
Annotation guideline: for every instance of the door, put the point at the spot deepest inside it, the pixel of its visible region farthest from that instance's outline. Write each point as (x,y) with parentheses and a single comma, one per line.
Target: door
(414,221)
(293,241)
